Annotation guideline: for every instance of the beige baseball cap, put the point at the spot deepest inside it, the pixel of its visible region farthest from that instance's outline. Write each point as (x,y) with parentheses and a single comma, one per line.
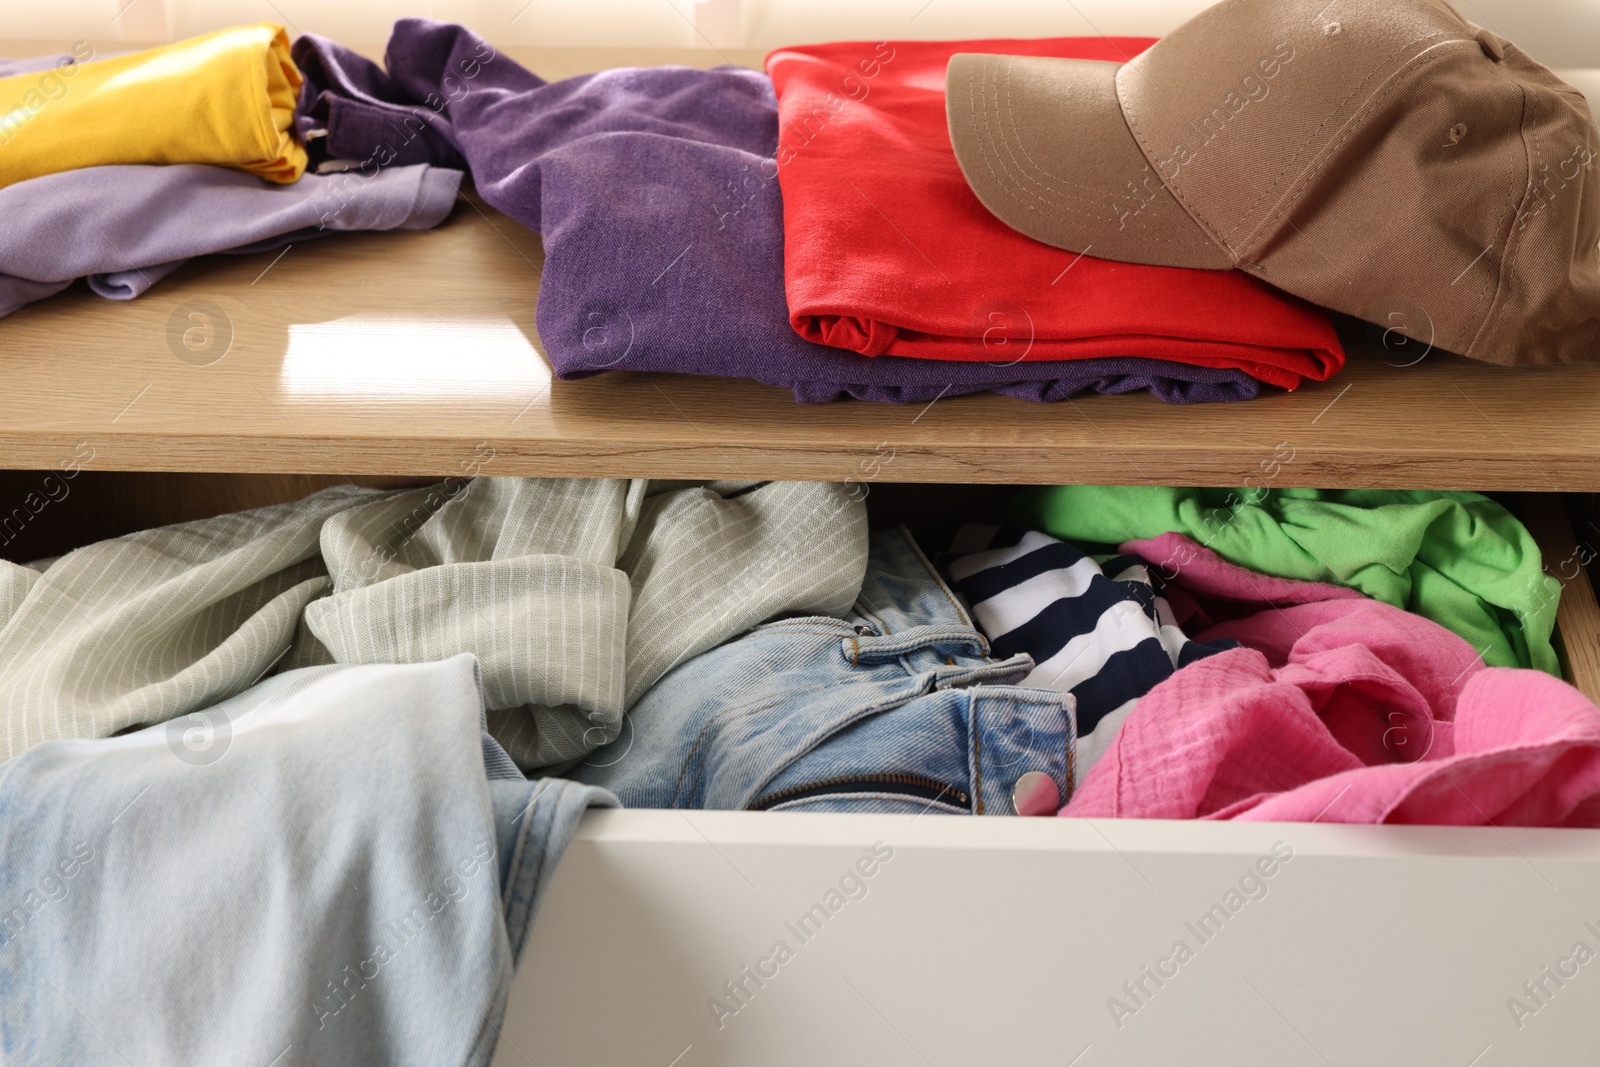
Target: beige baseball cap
(1384,158)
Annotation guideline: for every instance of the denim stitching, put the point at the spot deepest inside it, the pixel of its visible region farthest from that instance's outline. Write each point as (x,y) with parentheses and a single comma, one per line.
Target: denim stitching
(742,711)
(973,701)
(938,581)
(859,714)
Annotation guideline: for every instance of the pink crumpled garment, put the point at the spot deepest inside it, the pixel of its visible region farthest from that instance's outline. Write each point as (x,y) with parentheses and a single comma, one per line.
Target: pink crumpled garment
(1342,709)
(1204,589)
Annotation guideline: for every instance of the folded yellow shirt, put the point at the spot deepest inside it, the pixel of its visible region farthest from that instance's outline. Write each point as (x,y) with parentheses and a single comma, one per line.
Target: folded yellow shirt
(226,98)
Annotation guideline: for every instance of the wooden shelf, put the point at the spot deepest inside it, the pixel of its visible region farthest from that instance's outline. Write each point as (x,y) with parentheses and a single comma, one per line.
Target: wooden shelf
(415,353)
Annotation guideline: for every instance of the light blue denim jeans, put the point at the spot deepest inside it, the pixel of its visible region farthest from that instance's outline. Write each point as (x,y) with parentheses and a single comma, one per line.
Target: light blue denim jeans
(895,709)
(338,866)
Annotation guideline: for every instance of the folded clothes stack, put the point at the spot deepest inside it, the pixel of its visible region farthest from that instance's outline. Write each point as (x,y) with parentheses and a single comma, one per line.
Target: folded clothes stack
(894,221)
(657,194)
(118,170)
(1032,217)
(225,98)
(887,251)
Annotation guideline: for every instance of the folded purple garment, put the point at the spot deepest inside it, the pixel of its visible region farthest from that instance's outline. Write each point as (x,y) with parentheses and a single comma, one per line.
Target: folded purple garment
(124,228)
(689,277)
(655,192)
(353,101)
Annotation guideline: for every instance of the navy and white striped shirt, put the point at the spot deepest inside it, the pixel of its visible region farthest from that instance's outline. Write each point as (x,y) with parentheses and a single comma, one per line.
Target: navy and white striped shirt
(1098,630)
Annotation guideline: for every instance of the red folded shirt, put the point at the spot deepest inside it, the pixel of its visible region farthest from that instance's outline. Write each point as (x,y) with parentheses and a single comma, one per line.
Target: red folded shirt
(887,252)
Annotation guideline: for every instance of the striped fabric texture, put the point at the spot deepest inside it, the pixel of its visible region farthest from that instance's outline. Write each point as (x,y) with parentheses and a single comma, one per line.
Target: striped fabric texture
(1098,630)
(575,595)
(143,628)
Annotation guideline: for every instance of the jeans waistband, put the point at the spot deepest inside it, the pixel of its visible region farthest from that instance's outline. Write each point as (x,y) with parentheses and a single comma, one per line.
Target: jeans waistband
(906,613)
(903,591)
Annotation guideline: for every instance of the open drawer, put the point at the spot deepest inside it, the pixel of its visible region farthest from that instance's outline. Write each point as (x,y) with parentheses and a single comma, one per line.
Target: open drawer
(691,939)
(683,938)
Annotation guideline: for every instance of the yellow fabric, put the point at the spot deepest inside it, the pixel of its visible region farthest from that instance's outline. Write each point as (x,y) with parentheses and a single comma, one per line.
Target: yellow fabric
(226,98)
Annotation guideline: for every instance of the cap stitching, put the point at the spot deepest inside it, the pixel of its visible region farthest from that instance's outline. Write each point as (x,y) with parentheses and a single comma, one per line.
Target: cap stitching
(996,139)
(1514,237)
(990,155)
(1008,179)
(1027,160)
(1517,237)
(1326,157)
(1177,194)
(1336,110)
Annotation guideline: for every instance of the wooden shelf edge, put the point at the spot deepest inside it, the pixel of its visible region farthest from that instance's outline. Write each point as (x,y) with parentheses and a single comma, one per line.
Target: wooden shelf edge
(881,461)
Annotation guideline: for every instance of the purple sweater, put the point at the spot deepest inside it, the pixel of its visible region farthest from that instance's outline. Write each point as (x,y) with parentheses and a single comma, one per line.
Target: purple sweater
(655,192)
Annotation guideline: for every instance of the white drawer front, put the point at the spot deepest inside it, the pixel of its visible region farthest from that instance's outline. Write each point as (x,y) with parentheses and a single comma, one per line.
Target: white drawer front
(1035,941)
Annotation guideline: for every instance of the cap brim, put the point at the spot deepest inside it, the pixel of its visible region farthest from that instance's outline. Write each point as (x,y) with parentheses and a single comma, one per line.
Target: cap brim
(1044,145)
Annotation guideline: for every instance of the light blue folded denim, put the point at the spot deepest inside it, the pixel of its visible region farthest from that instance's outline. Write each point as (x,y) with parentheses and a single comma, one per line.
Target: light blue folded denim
(896,708)
(338,866)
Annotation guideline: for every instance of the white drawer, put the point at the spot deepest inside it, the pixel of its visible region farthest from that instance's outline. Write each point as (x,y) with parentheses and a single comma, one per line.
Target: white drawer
(992,940)
(999,941)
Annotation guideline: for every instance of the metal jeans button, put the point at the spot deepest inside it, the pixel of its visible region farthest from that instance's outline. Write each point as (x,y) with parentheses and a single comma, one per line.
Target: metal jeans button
(1035,793)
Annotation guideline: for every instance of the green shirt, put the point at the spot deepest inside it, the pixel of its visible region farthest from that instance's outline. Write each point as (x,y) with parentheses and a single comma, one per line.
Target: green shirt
(1457,558)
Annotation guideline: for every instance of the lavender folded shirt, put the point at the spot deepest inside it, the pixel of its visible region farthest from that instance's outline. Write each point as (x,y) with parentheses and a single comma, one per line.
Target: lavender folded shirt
(124,228)
(40,64)
(655,191)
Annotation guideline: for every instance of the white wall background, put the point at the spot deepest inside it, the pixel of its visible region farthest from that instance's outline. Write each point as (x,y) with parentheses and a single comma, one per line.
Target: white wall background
(1561,33)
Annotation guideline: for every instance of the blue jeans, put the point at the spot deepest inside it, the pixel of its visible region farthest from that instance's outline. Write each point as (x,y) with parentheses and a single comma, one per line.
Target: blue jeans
(897,708)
